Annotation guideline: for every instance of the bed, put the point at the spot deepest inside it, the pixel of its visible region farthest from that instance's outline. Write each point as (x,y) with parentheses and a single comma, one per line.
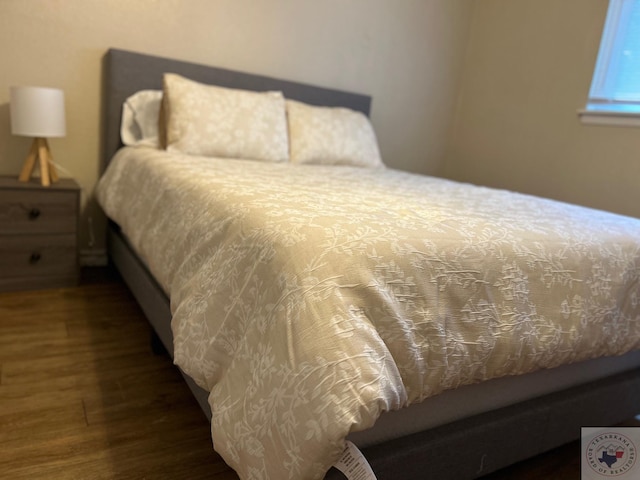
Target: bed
(462,426)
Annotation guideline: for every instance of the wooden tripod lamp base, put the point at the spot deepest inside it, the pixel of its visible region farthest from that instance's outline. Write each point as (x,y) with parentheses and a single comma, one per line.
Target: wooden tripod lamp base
(41,154)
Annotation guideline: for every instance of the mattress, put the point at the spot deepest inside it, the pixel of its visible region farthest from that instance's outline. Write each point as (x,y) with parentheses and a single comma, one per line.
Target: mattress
(310,299)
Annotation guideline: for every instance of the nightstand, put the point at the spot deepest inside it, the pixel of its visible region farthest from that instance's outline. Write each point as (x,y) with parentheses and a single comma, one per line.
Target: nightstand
(38,234)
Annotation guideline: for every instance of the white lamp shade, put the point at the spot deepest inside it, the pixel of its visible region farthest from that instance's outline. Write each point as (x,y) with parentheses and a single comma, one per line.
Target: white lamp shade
(37,112)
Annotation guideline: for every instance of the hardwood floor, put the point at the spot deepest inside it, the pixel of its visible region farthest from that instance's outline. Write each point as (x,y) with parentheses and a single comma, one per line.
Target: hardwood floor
(82,396)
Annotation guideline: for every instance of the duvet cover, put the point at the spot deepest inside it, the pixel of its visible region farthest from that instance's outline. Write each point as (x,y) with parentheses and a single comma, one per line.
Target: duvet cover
(308,299)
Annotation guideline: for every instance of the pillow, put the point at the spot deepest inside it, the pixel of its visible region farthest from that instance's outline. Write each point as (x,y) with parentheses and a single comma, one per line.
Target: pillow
(331,136)
(214,121)
(139,125)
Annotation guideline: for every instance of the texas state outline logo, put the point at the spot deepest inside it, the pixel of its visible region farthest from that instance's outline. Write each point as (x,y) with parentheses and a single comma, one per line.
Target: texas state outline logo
(610,454)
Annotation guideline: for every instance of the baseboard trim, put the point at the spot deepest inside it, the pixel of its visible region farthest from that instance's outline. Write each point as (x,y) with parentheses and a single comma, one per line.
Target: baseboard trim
(93,258)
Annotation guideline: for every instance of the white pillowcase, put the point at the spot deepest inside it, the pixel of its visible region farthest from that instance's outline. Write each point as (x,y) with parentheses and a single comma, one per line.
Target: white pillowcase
(224,122)
(139,125)
(331,136)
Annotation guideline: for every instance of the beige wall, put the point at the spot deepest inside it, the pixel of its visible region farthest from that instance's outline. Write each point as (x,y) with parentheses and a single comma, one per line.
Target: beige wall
(528,69)
(406,53)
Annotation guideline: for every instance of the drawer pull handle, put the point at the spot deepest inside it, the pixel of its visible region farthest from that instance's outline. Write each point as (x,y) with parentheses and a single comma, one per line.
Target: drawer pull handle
(34,213)
(34,258)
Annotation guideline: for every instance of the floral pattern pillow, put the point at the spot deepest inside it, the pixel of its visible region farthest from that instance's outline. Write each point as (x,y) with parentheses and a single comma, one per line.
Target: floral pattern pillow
(331,136)
(214,121)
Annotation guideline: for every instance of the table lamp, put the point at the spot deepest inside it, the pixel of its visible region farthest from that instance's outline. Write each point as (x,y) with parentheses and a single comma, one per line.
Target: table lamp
(38,112)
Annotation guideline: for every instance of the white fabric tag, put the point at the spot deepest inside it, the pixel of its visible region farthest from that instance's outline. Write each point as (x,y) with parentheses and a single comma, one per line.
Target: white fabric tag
(354,465)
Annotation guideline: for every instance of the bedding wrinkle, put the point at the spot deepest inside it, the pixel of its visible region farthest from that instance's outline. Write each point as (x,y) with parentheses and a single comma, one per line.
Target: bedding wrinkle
(309,299)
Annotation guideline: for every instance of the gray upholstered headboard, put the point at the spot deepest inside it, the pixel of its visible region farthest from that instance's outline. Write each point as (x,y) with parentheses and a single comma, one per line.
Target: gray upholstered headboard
(124,73)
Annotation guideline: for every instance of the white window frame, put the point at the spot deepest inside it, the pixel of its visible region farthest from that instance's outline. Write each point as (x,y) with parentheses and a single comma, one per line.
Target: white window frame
(601,108)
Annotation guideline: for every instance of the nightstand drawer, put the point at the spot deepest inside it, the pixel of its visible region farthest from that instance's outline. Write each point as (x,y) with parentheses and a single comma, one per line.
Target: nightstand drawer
(38,234)
(41,255)
(38,212)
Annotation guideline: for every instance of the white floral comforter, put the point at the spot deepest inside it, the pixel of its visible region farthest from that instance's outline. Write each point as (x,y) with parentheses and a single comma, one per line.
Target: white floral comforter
(308,299)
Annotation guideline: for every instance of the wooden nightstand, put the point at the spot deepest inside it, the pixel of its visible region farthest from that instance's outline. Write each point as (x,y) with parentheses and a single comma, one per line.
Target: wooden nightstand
(38,234)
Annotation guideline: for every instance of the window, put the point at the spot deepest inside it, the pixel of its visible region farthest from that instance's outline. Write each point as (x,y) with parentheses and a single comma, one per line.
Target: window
(614,97)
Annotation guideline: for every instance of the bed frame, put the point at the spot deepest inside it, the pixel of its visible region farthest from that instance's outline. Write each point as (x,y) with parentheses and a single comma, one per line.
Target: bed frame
(463,449)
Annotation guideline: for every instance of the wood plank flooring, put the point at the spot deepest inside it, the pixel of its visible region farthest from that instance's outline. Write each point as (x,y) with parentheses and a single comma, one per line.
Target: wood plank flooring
(82,396)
